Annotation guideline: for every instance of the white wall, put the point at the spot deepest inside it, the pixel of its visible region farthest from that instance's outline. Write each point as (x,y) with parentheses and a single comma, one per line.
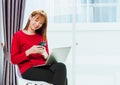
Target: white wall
(97,60)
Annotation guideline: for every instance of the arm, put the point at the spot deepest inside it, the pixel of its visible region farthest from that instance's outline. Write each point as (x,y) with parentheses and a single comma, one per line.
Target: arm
(16,56)
(37,49)
(43,50)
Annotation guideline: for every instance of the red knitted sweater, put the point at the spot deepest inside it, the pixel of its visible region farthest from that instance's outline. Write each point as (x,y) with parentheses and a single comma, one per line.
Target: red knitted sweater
(20,43)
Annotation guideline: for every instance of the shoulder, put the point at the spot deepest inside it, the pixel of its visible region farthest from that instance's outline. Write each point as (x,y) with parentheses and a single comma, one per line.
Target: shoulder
(17,34)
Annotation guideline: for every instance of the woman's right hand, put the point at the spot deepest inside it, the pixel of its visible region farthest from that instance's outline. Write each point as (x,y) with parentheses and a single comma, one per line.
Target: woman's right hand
(34,49)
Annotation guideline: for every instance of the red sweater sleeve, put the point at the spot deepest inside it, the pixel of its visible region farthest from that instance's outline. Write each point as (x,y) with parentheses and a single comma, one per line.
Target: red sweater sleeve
(16,56)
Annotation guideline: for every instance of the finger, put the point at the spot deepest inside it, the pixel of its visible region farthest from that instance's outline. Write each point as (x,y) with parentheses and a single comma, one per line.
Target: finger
(38,46)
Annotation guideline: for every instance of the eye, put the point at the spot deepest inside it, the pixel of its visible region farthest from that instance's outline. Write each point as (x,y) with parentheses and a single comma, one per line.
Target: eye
(40,23)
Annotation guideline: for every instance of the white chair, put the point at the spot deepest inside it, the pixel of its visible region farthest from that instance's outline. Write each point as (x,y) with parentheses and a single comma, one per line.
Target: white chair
(22,81)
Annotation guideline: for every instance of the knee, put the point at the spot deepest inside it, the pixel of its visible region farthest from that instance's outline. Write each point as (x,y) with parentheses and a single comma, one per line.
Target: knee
(61,66)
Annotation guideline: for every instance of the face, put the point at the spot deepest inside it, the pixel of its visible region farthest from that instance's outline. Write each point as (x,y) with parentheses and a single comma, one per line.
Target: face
(36,22)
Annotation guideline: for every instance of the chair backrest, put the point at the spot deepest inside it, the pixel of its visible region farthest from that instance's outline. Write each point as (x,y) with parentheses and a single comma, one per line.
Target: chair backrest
(17,71)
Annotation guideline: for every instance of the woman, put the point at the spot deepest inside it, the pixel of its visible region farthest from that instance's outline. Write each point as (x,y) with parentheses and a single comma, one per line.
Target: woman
(27,54)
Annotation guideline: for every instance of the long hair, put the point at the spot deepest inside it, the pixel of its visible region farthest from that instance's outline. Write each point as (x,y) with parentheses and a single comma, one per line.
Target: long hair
(42,30)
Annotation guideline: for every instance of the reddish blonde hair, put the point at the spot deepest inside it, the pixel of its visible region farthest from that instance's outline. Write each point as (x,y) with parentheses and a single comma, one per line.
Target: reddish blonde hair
(43,30)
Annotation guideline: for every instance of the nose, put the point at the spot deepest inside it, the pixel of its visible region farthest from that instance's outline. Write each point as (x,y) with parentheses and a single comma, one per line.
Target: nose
(37,24)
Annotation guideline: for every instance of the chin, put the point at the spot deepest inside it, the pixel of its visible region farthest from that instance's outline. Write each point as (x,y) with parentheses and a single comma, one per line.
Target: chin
(35,29)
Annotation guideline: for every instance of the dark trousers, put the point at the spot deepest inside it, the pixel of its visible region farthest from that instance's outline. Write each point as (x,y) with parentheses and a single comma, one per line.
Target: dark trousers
(54,73)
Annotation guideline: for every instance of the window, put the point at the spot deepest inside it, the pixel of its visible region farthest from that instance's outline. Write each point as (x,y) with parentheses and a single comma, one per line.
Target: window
(96,11)
(90,11)
(86,11)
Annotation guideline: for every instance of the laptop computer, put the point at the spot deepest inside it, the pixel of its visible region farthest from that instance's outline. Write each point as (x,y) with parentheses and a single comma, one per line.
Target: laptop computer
(57,55)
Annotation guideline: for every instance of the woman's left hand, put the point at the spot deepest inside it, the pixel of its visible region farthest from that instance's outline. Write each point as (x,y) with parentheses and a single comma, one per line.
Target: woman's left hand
(43,52)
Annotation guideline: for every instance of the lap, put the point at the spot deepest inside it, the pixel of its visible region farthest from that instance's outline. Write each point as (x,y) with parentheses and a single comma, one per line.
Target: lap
(42,73)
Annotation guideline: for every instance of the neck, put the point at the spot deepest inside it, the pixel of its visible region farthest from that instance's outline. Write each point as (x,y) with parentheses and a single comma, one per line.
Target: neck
(29,31)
